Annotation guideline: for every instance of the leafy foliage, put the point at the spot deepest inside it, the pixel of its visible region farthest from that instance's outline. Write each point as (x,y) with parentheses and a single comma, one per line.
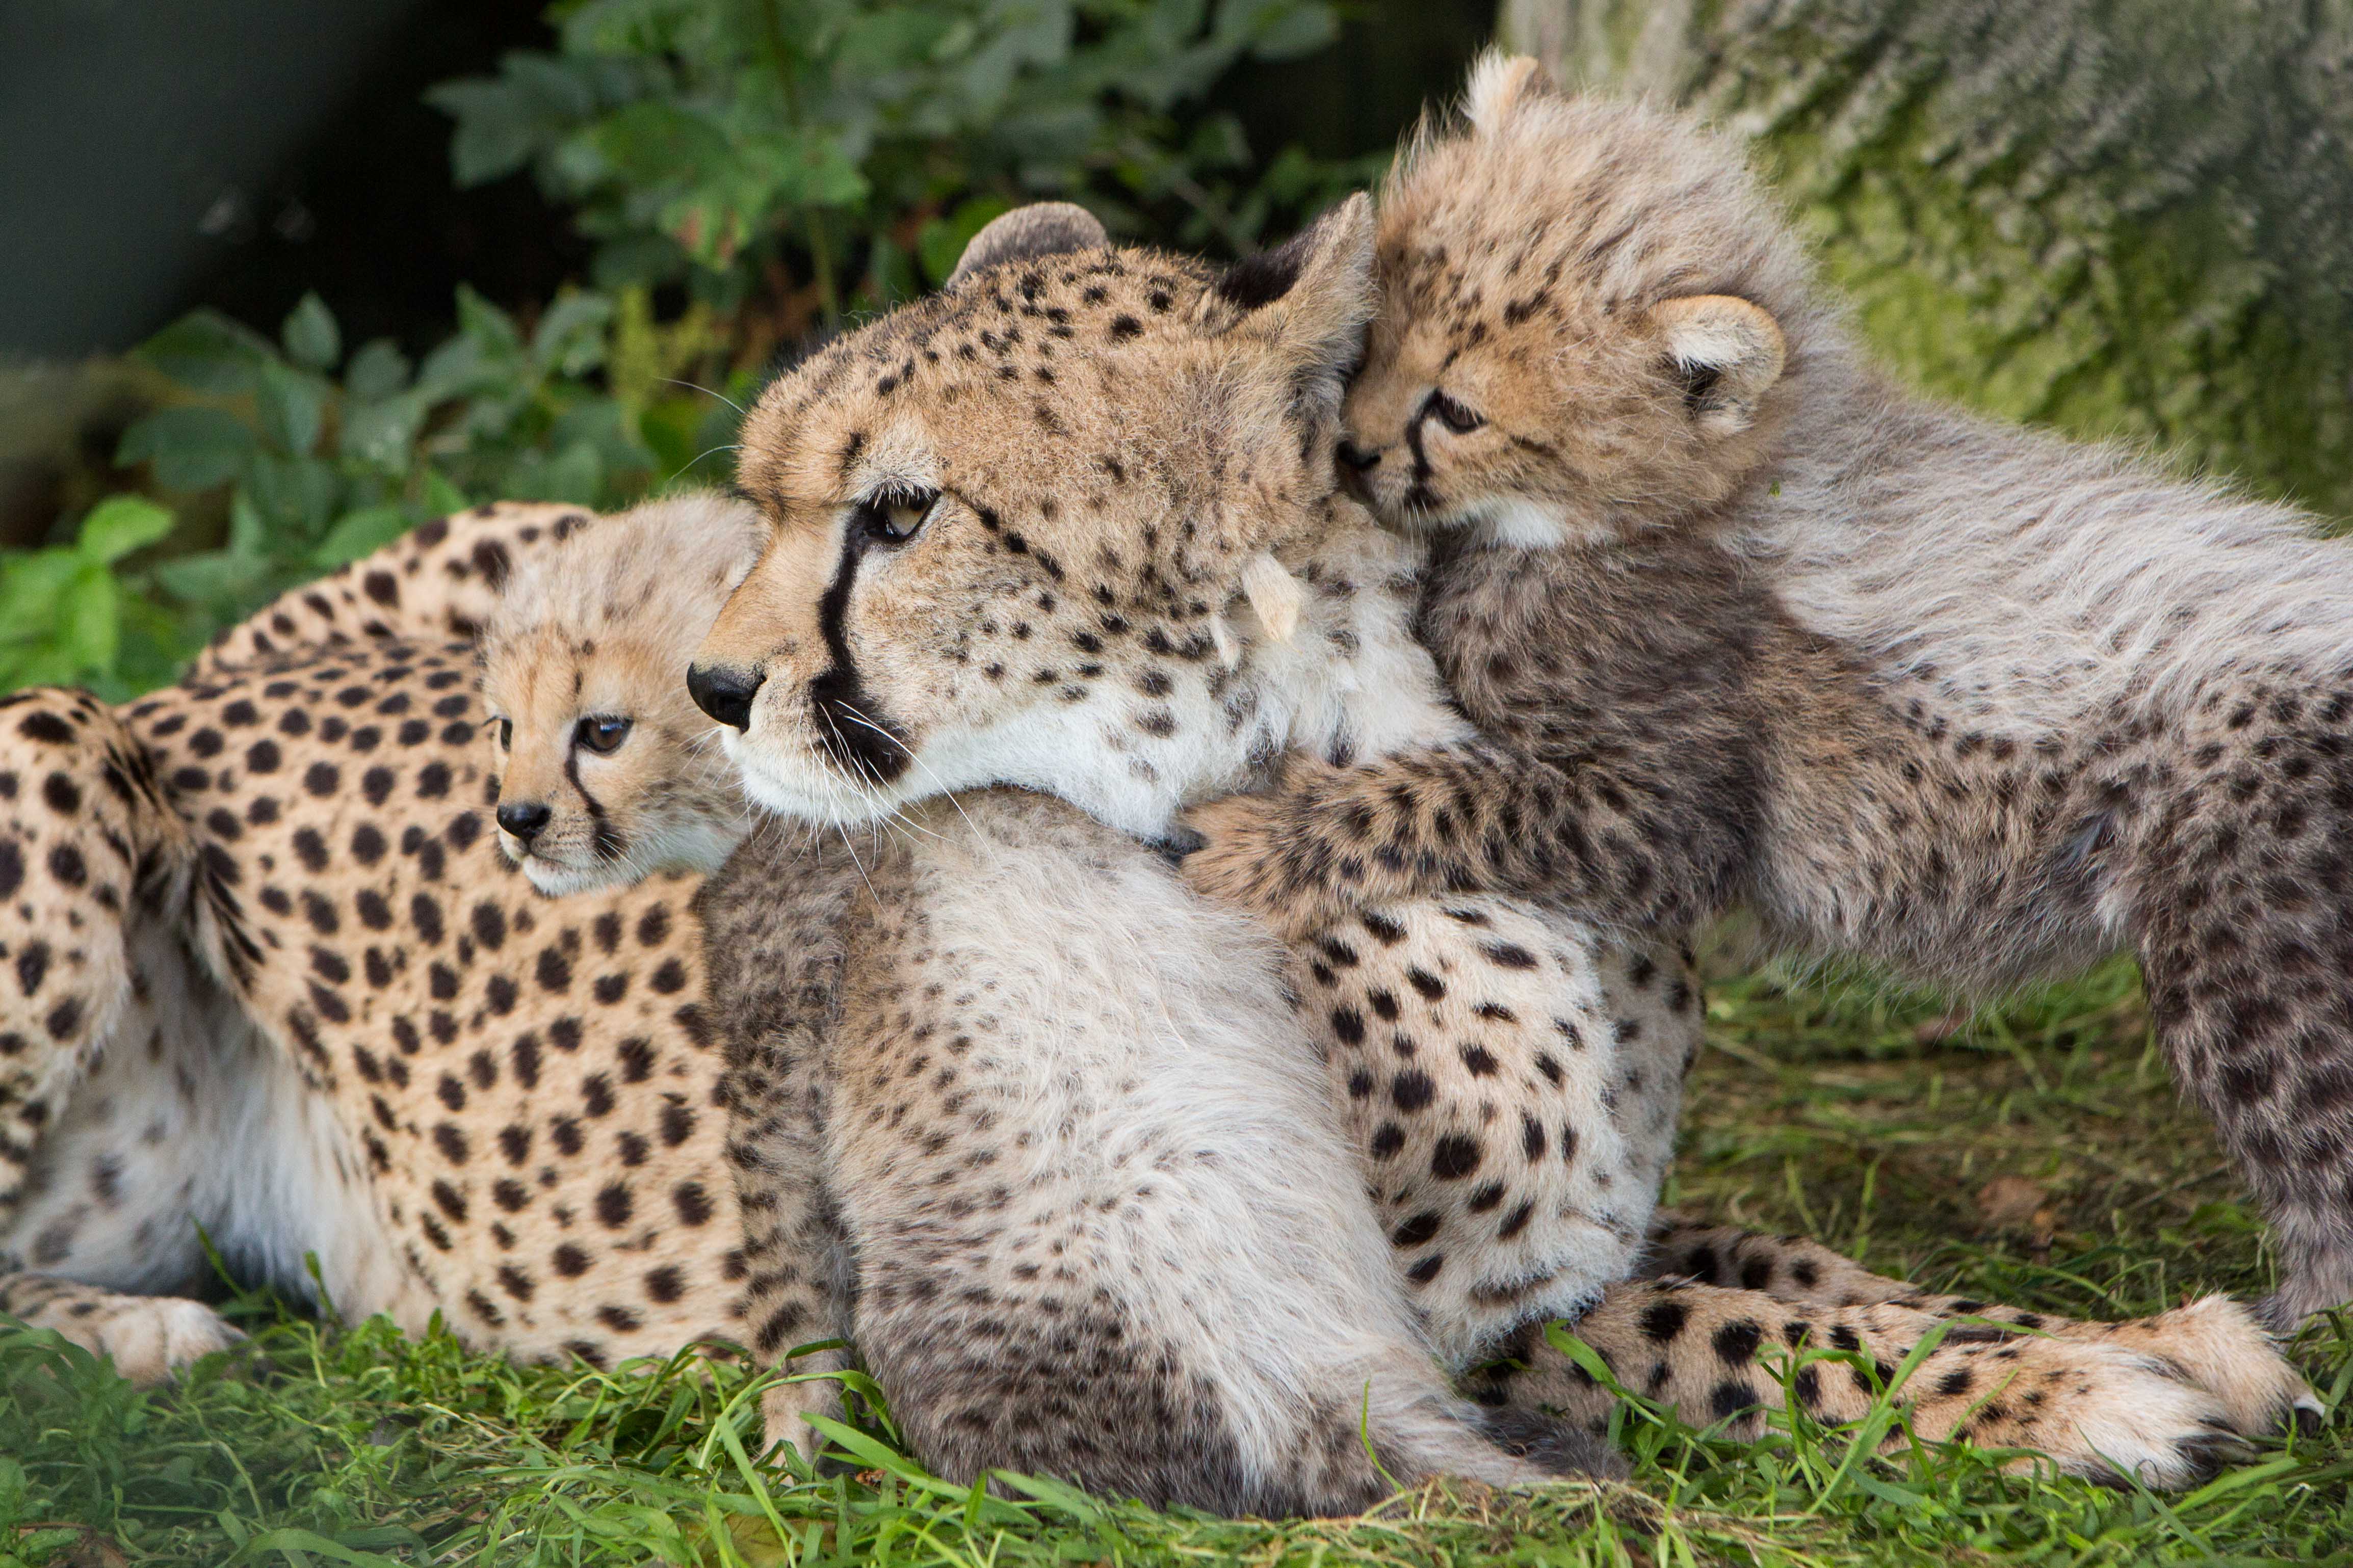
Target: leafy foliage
(775,145)
(66,618)
(323,457)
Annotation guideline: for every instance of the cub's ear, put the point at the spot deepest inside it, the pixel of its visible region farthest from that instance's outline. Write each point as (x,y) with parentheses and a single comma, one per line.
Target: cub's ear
(1311,298)
(1500,83)
(1726,352)
(1025,234)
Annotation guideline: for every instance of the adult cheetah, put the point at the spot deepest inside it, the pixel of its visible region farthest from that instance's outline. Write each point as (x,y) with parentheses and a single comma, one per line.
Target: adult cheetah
(265,911)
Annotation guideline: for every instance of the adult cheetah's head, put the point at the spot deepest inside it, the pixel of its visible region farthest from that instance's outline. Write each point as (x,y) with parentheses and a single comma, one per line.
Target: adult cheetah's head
(605,771)
(1591,319)
(1010,522)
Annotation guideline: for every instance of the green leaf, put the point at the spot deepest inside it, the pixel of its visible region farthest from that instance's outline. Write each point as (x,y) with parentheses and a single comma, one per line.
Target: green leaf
(120,524)
(293,404)
(206,351)
(441,497)
(90,619)
(382,432)
(191,448)
(224,580)
(571,338)
(360,533)
(378,371)
(30,588)
(312,338)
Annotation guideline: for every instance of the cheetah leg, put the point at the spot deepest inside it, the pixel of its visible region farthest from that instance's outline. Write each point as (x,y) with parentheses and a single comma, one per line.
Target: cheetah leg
(2243,920)
(437,584)
(2216,1342)
(775,985)
(2093,1407)
(148,1338)
(85,839)
(1505,1104)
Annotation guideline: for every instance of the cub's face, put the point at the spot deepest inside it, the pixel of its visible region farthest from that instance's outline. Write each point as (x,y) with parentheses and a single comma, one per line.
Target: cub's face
(1568,344)
(606,770)
(1007,522)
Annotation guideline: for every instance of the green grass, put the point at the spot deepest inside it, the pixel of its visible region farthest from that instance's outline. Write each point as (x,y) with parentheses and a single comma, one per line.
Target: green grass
(1837,1108)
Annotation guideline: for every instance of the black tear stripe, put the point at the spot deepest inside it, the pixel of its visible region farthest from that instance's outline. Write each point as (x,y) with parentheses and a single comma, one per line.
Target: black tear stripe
(1418,496)
(850,724)
(609,841)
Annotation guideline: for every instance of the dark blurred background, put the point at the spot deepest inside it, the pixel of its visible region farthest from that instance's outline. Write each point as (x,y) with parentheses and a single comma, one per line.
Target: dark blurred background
(165,154)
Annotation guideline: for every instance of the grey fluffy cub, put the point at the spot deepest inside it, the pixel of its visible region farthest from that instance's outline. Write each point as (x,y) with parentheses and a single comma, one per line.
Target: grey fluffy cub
(1740,622)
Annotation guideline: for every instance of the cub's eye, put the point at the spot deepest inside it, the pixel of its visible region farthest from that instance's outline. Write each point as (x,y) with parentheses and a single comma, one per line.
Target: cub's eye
(506,734)
(602,732)
(1452,415)
(892,517)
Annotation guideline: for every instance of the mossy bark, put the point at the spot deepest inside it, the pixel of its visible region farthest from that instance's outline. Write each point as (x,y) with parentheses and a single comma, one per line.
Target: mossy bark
(2119,217)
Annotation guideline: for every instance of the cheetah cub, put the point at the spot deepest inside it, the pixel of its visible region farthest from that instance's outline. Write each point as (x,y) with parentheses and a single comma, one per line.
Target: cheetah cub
(605,771)
(1739,622)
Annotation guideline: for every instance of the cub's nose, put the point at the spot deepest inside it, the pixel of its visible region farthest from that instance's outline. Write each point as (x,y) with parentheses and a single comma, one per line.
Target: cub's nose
(1357,458)
(725,694)
(524,818)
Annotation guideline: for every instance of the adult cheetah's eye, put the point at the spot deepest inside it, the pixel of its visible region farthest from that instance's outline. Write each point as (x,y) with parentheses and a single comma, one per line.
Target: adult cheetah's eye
(602,732)
(1452,415)
(506,734)
(893,516)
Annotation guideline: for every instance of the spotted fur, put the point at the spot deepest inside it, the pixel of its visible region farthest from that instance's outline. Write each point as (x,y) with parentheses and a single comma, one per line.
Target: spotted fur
(1739,622)
(950,599)
(438,582)
(292,936)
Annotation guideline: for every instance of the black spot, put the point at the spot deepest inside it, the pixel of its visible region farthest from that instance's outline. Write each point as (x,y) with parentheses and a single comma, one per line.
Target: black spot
(1416,1230)
(1730,1398)
(1454,1157)
(1662,1321)
(1735,1344)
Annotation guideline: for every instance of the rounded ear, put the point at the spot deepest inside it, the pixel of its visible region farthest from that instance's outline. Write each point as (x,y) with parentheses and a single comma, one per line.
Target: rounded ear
(1025,234)
(1500,83)
(1312,297)
(1726,352)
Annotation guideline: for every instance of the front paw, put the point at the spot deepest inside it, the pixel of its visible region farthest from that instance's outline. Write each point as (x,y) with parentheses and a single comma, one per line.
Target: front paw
(785,1409)
(1243,858)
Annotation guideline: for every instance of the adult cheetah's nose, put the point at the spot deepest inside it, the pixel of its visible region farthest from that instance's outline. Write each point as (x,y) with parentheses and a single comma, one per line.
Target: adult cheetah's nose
(725,694)
(1357,458)
(524,818)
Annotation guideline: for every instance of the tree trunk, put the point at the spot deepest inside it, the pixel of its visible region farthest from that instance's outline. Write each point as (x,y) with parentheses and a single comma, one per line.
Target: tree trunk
(2120,217)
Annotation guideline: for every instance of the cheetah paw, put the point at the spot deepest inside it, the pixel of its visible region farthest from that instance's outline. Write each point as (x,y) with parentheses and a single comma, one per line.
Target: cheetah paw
(2136,1416)
(785,1409)
(150,1339)
(2218,1344)
(1237,851)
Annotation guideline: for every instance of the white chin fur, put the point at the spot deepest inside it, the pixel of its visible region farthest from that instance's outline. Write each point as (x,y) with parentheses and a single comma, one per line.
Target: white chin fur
(1517,524)
(1511,522)
(561,881)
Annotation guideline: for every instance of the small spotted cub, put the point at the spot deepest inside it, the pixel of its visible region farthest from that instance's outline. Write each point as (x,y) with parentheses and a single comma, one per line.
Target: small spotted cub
(604,770)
